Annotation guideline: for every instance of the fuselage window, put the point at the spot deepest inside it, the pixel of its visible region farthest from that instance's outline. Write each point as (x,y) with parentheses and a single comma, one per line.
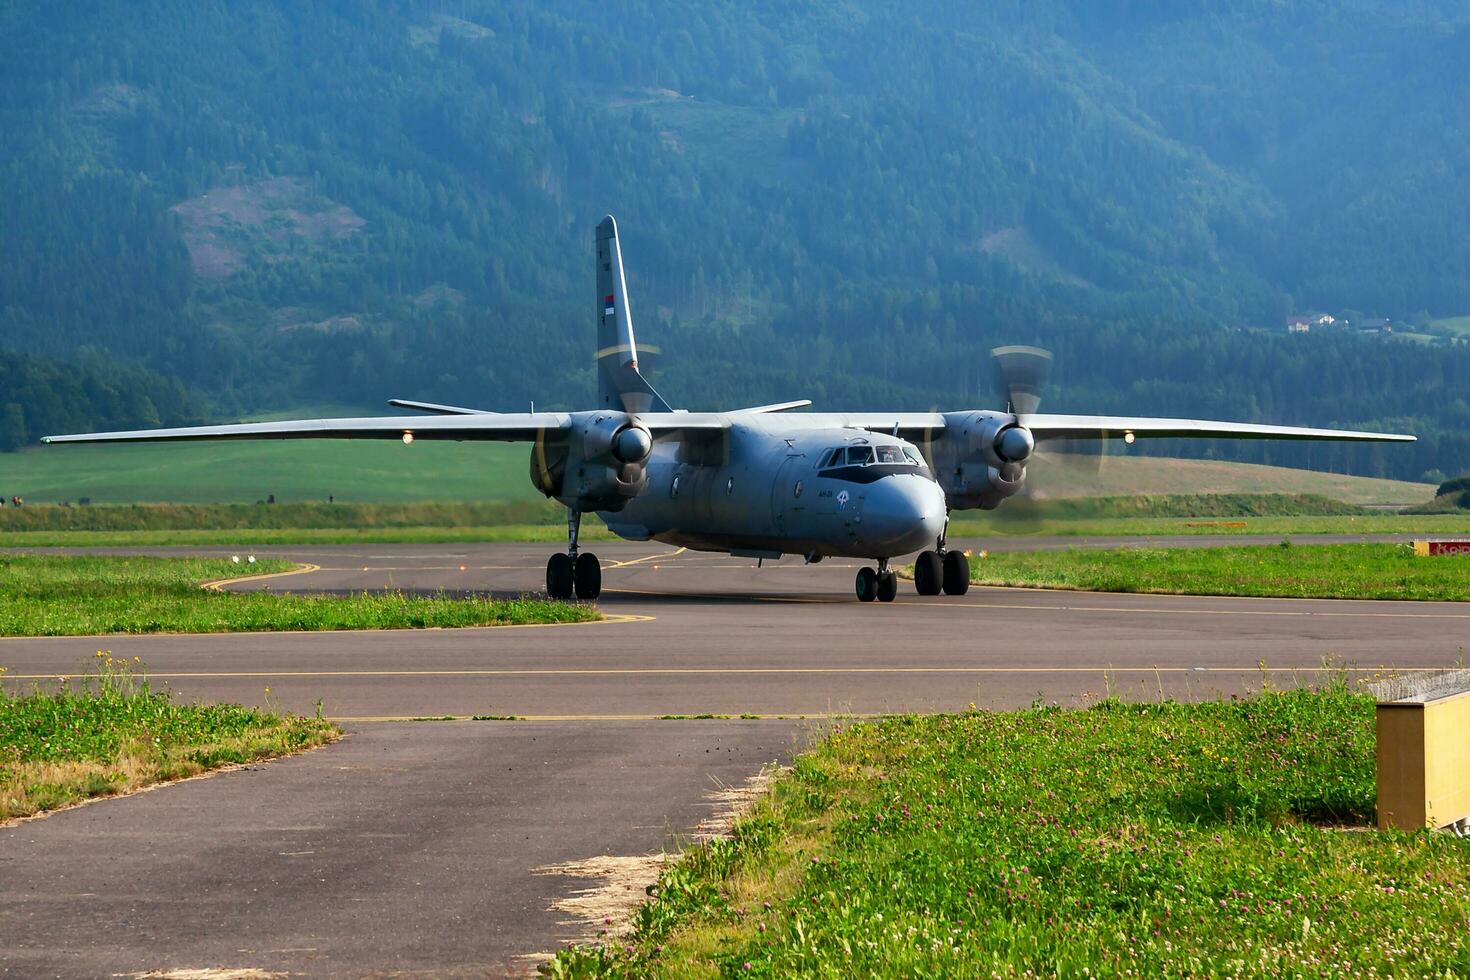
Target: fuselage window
(674,488)
(859,455)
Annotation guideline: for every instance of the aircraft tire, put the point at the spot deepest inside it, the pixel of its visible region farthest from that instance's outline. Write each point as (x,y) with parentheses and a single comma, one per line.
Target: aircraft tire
(587,576)
(956,573)
(867,584)
(887,587)
(559,576)
(928,573)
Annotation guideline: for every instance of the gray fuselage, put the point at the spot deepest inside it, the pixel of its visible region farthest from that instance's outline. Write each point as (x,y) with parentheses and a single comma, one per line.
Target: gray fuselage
(770,487)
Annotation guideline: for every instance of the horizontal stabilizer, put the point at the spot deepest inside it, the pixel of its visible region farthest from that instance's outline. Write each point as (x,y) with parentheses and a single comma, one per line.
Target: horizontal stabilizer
(768,409)
(436,409)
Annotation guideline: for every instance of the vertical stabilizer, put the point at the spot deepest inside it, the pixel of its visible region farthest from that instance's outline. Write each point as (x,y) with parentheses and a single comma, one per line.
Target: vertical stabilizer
(619,385)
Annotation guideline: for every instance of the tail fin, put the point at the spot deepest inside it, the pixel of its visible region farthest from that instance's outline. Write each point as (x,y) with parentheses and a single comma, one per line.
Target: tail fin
(619,385)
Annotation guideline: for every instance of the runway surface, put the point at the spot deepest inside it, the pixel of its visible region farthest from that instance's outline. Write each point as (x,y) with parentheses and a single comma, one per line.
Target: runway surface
(212,874)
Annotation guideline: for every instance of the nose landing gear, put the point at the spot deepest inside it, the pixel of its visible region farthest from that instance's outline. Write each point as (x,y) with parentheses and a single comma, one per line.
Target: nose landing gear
(877,583)
(572,573)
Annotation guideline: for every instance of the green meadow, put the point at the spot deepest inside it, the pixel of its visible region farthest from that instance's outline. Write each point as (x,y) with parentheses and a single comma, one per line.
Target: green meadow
(361,471)
(1339,571)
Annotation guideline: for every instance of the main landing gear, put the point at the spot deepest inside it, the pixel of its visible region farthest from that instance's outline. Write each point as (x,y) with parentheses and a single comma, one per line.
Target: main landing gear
(942,570)
(572,573)
(877,583)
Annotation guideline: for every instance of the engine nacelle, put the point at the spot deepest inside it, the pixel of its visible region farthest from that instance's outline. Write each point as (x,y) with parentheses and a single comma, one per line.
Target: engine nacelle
(982,458)
(599,464)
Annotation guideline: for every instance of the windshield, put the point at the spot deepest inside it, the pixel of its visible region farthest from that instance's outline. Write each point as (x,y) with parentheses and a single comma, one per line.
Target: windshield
(859,455)
(891,454)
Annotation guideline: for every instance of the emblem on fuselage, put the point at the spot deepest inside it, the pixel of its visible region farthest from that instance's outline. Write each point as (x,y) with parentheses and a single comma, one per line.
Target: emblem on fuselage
(842,500)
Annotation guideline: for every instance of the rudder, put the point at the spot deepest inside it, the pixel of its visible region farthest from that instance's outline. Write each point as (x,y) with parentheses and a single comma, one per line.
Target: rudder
(620,386)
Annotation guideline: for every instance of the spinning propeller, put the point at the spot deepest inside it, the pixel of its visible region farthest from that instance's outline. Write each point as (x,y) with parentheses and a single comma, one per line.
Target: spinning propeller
(1022,373)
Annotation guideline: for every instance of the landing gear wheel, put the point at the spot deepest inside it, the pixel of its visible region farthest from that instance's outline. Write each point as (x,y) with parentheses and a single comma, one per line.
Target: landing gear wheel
(928,573)
(867,584)
(956,573)
(887,586)
(587,574)
(559,576)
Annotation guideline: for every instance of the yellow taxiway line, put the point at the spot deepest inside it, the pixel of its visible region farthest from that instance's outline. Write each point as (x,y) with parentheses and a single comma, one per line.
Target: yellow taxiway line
(218,585)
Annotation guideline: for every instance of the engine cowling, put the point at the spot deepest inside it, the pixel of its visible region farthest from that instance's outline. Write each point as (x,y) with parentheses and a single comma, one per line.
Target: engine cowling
(982,458)
(600,463)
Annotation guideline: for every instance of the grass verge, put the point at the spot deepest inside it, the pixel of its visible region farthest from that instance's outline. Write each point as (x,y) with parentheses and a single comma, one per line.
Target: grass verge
(1445,524)
(999,525)
(84,595)
(1146,840)
(1341,571)
(112,734)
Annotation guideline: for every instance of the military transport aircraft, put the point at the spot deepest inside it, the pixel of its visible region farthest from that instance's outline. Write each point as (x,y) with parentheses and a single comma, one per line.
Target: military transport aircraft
(756,482)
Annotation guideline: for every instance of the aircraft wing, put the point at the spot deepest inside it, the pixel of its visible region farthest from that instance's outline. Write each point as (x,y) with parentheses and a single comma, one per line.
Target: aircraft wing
(1114,426)
(488,427)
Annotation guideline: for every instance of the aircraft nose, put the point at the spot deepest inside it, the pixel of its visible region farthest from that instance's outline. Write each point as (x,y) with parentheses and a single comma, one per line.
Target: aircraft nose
(903,512)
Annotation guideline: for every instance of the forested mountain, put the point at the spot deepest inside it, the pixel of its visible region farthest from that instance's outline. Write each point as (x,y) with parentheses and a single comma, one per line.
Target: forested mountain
(89,391)
(278,202)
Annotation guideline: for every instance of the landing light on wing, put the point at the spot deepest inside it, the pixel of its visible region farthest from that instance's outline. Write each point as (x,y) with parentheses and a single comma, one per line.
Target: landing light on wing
(408,438)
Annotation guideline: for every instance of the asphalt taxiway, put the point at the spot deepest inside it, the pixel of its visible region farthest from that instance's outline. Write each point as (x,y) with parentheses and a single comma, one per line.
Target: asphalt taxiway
(411,846)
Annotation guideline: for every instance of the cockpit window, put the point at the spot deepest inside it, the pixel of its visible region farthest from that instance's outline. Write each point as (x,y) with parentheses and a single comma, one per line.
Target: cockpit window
(890,454)
(913,456)
(859,455)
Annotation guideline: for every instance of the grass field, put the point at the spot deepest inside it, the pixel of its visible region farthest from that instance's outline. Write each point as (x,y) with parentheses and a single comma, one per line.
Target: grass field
(1454,324)
(390,472)
(109,733)
(593,531)
(1345,571)
(1212,839)
(292,470)
(79,596)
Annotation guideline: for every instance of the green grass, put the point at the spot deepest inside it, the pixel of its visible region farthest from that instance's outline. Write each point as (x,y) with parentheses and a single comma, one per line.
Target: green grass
(109,733)
(147,525)
(1344,571)
(1454,324)
(275,517)
(294,470)
(996,524)
(591,531)
(1215,839)
(85,595)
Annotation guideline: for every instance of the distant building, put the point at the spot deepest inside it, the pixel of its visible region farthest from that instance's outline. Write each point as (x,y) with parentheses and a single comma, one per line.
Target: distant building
(1304,322)
(1376,325)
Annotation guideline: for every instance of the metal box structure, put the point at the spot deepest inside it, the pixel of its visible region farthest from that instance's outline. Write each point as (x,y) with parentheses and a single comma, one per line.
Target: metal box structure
(1424,751)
